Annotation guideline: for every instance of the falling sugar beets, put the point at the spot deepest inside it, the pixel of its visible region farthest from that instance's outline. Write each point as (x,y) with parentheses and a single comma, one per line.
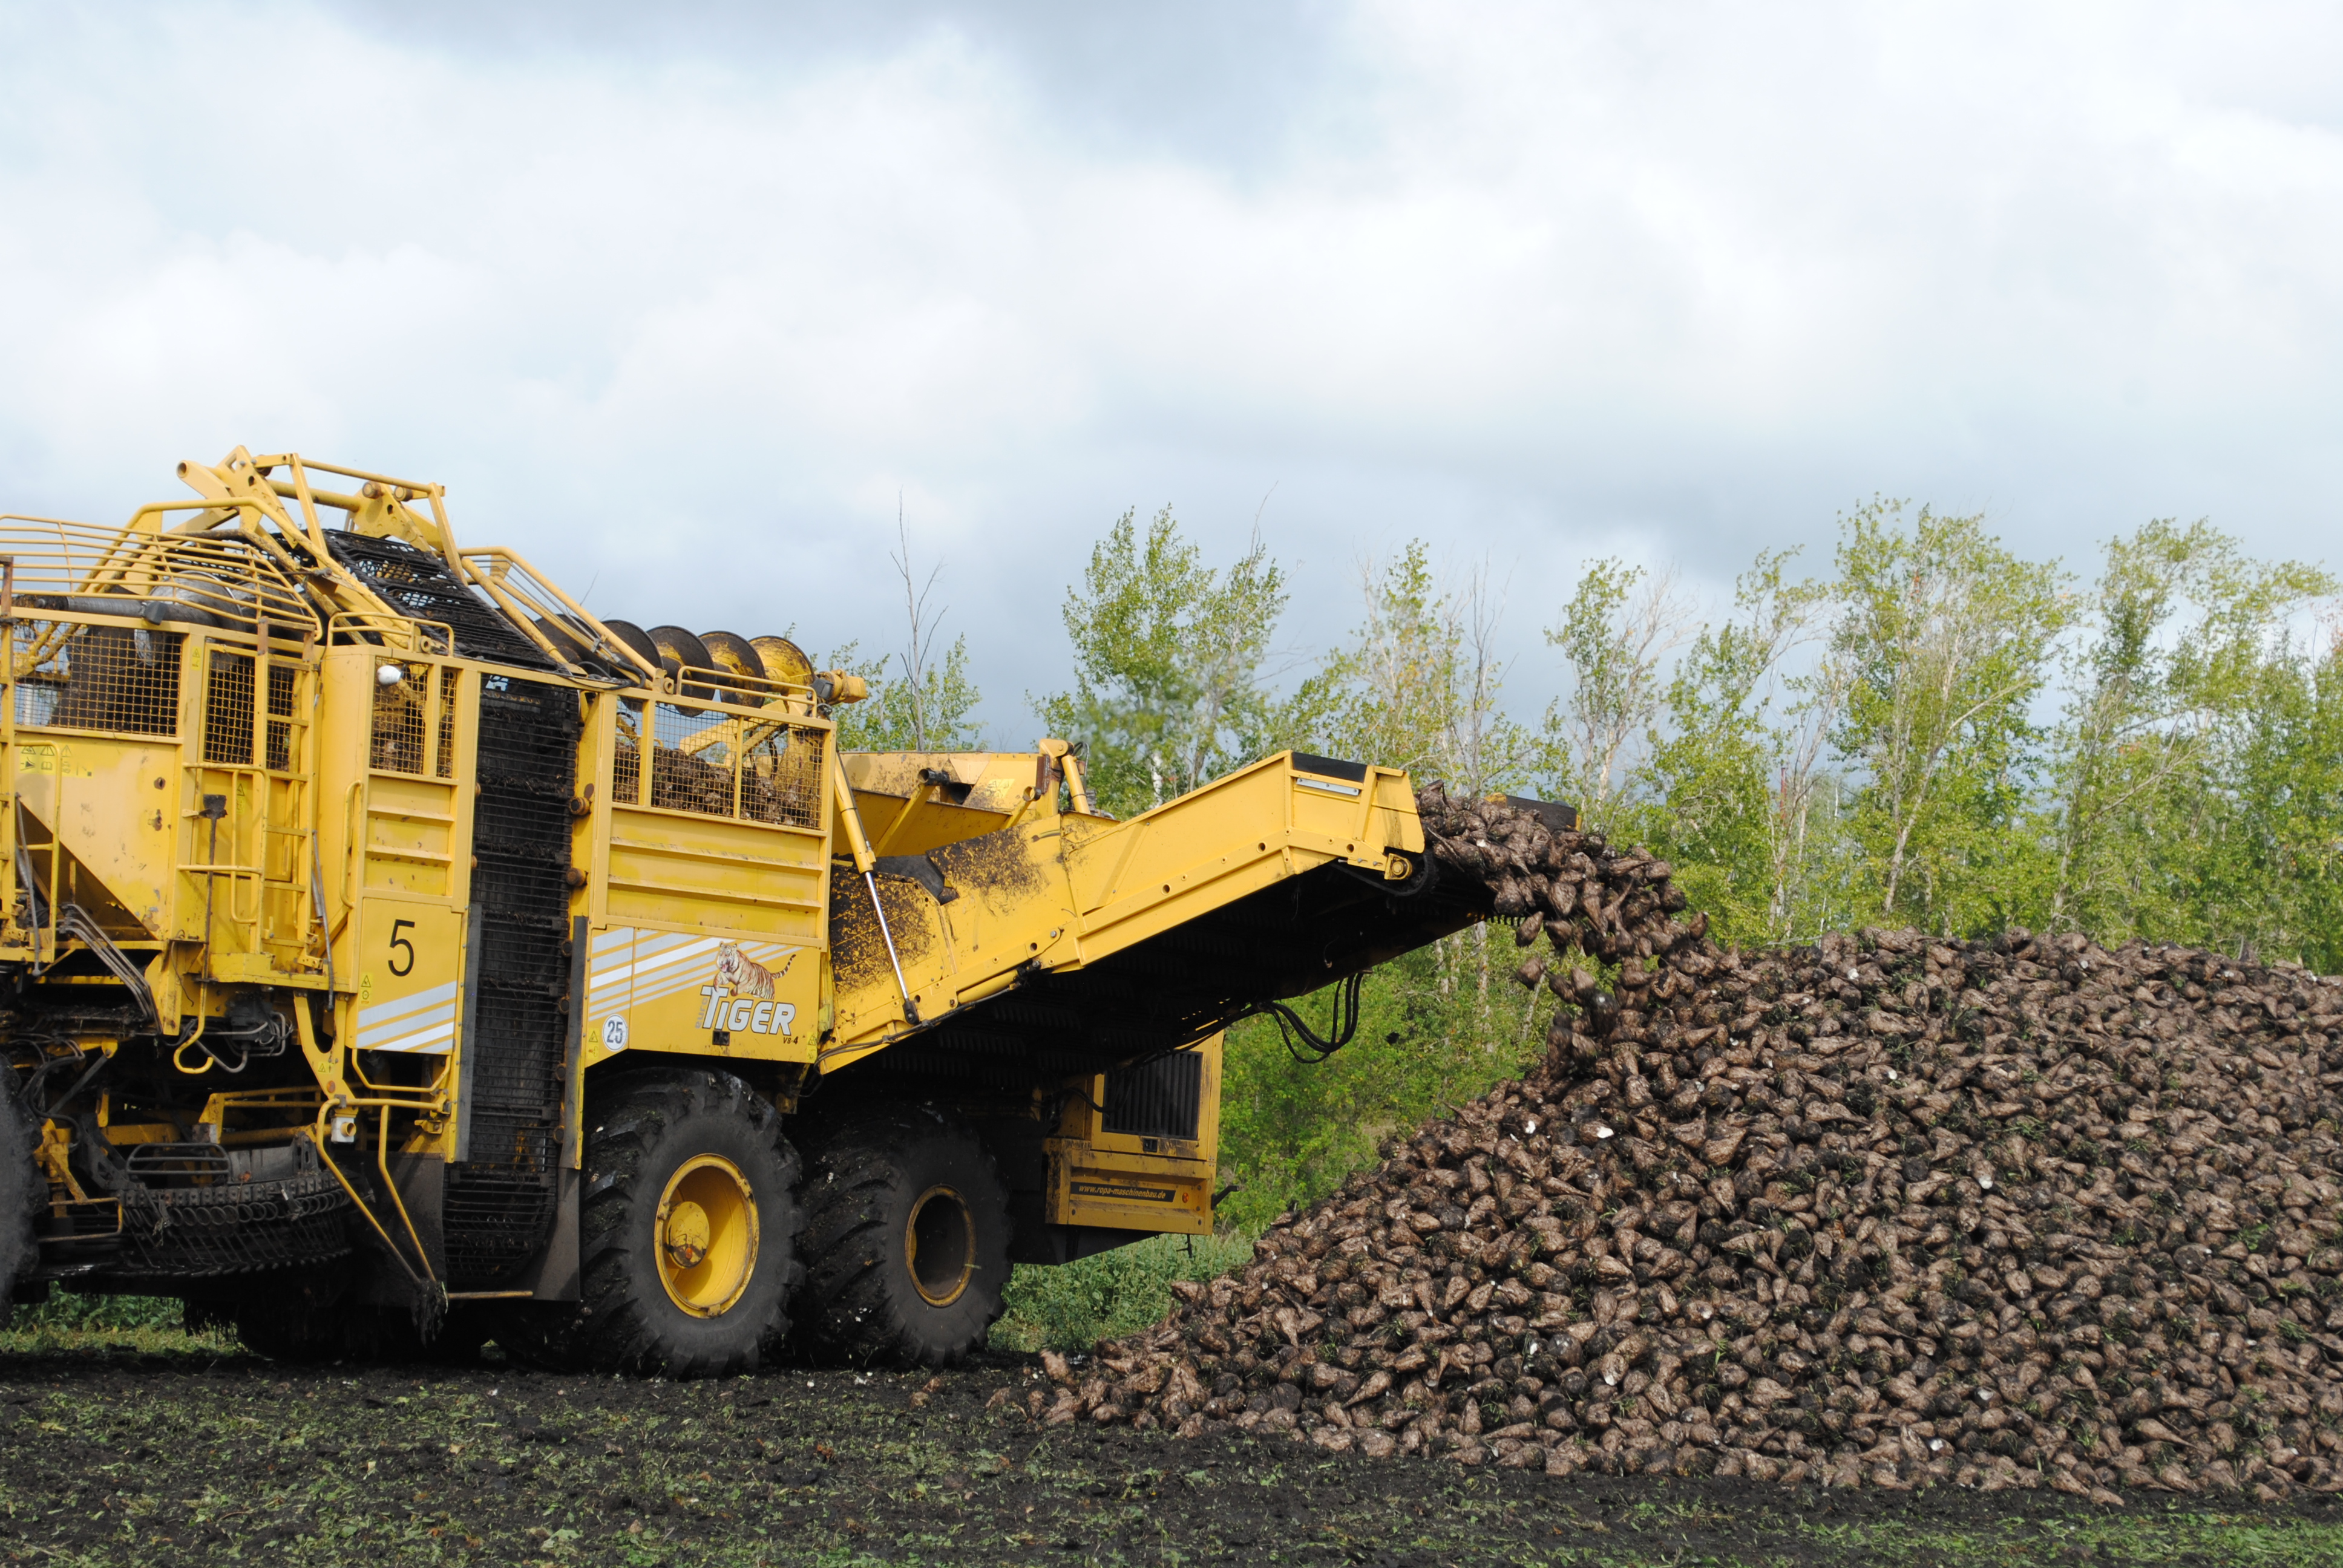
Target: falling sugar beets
(1887,1211)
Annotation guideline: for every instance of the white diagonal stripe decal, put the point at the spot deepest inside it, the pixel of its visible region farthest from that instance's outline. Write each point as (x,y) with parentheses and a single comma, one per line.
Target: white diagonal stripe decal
(407,1023)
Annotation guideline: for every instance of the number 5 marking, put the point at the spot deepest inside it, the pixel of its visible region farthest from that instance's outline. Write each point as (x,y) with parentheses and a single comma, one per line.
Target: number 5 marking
(397,942)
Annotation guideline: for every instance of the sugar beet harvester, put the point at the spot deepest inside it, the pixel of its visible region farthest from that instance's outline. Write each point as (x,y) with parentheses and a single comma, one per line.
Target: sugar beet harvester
(396,955)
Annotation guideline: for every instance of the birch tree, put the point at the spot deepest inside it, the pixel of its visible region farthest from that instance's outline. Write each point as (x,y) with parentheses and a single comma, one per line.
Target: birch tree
(1170,655)
(1942,640)
(1615,633)
(1741,792)
(2182,630)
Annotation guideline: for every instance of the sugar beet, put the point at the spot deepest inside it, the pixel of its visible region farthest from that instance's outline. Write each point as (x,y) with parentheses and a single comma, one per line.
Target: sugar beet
(1884,1210)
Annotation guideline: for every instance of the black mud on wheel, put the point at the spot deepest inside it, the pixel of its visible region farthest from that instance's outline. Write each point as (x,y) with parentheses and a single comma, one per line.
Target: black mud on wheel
(20,1188)
(688,1233)
(906,1240)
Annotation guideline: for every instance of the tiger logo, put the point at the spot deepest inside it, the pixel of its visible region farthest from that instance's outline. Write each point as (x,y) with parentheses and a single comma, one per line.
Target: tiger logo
(739,974)
(741,998)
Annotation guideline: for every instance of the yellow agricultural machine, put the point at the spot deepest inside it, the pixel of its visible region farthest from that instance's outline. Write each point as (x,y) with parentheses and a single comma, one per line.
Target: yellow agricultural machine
(397,955)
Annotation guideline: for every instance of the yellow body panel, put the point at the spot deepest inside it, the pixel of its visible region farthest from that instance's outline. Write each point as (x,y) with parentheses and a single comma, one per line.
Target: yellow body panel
(1065,889)
(244,791)
(115,823)
(739,878)
(1130,1181)
(410,976)
(665,991)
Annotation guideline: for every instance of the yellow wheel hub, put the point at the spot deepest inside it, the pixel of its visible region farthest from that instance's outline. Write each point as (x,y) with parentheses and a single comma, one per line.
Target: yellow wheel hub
(939,1245)
(707,1232)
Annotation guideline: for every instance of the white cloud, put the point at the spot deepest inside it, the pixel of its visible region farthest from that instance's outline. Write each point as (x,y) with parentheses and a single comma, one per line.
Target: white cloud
(682,313)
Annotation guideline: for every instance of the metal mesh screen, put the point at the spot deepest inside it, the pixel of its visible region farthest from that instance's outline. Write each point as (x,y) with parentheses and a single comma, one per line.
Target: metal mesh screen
(74,676)
(227,709)
(396,744)
(721,765)
(692,761)
(1157,1098)
(627,771)
(283,679)
(498,1202)
(444,758)
(419,584)
(780,777)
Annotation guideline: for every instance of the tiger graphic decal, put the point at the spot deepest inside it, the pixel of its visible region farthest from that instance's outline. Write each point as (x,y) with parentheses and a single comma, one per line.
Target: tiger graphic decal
(737,974)
(740,999)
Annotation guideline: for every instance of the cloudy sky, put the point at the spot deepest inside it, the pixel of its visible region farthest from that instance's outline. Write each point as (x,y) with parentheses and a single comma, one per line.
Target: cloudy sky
(680,302)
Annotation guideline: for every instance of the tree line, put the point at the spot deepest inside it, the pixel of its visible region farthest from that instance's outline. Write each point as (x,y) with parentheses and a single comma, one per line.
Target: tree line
(1929,728)
(1935,732)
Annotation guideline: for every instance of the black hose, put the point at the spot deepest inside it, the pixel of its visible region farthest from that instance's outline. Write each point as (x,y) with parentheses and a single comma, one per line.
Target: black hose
(35,1072)
(1341,1023)
(80,1083)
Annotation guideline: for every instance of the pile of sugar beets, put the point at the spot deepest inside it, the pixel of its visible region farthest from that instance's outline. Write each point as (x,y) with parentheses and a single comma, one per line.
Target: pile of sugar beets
(1891,1210)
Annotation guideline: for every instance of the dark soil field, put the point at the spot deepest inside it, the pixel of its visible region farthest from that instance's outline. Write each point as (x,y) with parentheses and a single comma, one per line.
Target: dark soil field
(116,1455)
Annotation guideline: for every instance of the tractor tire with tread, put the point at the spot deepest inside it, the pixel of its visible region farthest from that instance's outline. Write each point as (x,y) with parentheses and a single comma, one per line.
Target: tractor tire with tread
(650,1136)
(906,1239)
(21,1188)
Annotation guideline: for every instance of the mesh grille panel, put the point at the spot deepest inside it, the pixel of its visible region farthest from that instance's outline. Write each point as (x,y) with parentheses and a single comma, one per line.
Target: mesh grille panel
(227,709)
(444,758)
(700,779)
(780,778)
(396,744)
(1157,1099)
(719,765)
(493,1221)
(77,677)
(499,1201)
(627,771)
(403,718)
(421,585)
(281,683)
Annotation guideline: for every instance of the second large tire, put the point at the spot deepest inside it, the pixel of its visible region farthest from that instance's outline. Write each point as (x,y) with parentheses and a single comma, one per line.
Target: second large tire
(687,1234)
(906,1239)
(21,1187)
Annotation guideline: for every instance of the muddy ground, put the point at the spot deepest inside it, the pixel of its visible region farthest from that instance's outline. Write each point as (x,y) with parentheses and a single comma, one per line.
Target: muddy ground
(213,1456)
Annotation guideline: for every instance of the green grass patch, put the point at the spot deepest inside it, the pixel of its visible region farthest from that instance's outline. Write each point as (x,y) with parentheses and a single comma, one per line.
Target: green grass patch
(2142,1534)
(140,1325)
(1073,1306)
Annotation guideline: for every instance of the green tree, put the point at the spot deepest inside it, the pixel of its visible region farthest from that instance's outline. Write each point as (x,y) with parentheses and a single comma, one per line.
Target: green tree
(934,711)
(1943,638)
(1615,643)
(2304,761)
(2185,656)
(1740,794)
(916,703)
(1170,658)
(1418,685)
(2238,850)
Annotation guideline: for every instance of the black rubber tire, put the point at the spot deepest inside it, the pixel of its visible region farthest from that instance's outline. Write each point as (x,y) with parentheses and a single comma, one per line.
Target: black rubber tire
(863,1303)
(21,1188)
(640,1130)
